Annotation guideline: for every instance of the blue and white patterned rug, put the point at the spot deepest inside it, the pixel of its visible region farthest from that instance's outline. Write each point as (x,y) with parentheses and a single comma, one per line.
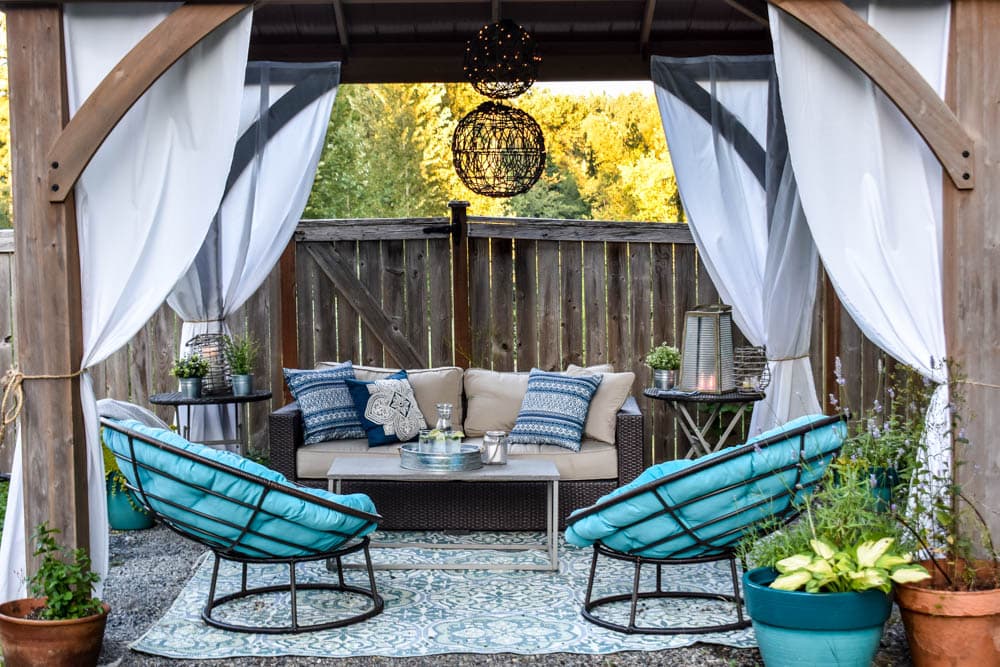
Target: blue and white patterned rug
(429,612)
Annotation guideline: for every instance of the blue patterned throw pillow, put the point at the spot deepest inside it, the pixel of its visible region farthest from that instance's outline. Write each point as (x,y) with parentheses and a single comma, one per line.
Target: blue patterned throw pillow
(387,409)
(327,409)
(554,409)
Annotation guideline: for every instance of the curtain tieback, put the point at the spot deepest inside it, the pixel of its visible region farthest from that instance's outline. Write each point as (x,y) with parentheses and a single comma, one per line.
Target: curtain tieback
(13,394)
(215,319)
(979,384)
(801,356)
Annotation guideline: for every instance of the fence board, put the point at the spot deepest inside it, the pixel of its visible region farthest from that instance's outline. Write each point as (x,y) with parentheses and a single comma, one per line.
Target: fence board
(479,302)
(305,283)
(662,258)
(595,314)
(370,274)
(440,309)
(502,304)
(619,351)
(415,311)
(526,303)
(571,267)
(324,307)
(641,283)
(549,331)
(348,338)
(394,296)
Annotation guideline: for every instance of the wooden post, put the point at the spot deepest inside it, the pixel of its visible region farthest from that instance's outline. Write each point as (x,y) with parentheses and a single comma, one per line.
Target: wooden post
(460,282)
(972,247)
(49,325)
(289,311)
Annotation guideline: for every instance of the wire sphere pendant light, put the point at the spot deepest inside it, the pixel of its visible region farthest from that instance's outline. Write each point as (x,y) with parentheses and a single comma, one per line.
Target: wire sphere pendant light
(498,151)
(500,61)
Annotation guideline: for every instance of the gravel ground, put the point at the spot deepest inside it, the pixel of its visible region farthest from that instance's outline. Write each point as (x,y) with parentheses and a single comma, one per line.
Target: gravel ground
(148,569)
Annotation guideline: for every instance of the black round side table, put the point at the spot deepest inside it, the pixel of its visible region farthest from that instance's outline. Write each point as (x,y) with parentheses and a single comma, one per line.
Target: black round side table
(679,402)
(179,400)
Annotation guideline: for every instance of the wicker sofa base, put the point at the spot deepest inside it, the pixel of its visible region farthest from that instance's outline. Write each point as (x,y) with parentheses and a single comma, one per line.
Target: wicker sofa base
(471,505)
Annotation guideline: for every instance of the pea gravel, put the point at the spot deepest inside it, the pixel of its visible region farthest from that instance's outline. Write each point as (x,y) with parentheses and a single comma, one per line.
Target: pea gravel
(149,568)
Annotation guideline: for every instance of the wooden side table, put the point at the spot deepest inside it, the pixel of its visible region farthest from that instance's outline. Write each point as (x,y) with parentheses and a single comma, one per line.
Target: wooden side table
(179,400)
(679,401)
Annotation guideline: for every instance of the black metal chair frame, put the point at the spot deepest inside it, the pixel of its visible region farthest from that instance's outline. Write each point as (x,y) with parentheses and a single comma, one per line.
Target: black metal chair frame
(235,549)
(719,548)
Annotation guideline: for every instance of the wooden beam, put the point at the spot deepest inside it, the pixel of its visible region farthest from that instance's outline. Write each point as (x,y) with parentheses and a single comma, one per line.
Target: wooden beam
(460,283)
(839,25)
(396,344)
(177,34)
(495,10)
(48,323)
(289,316)
(578,230)
(749,13)
(971,252)
(386,229)
(646,28)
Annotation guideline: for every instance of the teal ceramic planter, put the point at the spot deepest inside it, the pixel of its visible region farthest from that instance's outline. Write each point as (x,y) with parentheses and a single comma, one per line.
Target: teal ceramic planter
(797,629)
(121,514)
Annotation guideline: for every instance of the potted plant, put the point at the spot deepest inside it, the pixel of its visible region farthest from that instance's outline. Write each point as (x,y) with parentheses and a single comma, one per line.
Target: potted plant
(241,354)
(124,511)
(190,369)
(63,624)
(664,360)
(953,618)
(822,584)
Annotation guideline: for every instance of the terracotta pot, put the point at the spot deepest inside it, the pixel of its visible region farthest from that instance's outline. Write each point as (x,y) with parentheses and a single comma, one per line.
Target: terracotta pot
(950,628)
(27,643)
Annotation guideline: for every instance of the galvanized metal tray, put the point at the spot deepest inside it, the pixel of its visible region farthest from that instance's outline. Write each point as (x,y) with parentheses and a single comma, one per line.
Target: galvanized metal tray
(468,458)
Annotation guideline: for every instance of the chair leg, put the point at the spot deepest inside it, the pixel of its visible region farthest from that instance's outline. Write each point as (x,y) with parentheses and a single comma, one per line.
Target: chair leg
(340,572)
(590,580)
(294,597)
(215,579)
(371,573)
(635,594)
(243,581)
(736,589)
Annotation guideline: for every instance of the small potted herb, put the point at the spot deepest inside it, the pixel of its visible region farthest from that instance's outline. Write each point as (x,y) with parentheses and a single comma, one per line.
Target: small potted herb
(664,360)
(241,354)
(63,624)
(190,369)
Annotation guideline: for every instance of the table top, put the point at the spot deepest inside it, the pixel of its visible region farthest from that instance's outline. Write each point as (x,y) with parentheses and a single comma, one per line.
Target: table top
(386,468)
(737,396)
(177,398)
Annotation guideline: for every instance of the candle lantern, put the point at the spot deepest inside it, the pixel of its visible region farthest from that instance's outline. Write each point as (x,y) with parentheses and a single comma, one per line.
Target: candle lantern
(209,346)
(707,350)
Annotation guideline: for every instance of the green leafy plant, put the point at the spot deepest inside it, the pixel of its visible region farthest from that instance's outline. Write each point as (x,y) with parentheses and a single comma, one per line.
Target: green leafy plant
(857,568)
(241,354)
(190,366)
(64,578)
(664,357)
(113,475)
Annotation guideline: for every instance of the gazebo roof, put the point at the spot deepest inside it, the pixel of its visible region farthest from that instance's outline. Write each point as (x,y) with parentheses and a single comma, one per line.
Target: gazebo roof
(414,40)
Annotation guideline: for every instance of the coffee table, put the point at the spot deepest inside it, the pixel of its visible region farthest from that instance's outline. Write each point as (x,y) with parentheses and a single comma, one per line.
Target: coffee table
(519,470)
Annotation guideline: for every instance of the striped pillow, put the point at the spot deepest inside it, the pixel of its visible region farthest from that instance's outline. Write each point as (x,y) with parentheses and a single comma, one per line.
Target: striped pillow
(554,409)
(327,409)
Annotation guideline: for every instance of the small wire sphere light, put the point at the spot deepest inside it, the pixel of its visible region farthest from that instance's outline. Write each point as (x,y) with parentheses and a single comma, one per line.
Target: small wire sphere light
(500,61)
(498,151)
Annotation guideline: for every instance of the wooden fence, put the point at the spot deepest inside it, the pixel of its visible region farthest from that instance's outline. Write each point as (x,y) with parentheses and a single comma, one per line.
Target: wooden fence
(398,292)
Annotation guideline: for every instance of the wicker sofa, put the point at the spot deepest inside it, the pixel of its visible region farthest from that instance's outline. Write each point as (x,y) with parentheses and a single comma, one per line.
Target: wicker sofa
(465,505)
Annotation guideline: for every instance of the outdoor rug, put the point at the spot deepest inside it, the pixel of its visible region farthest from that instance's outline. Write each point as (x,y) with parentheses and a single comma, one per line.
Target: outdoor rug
(429,612)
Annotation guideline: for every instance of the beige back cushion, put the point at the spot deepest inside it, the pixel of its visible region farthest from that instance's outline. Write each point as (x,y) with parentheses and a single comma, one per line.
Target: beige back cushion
(493,400)
(607,401)
(430,387)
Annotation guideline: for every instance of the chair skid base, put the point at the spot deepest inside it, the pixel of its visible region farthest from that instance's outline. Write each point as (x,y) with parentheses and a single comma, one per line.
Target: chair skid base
(292,588)
(637,562)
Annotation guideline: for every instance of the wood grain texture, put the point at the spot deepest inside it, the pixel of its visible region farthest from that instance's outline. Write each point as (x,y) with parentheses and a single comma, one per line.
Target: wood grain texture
(177,34)
(49,322)
(571,268)
(526,303)
(502,324)
(288,313)
(439,306)
(578,230)
(415,312)
(839,25)
(394,301)
(549,304)
(971,250)
(479,303)
(347,322)
(389,229)
(595,298)
(370,277)
(305,281)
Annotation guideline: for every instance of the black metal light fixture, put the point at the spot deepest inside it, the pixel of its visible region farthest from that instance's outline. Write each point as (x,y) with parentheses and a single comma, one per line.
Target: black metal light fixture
(501,61)
(498,151)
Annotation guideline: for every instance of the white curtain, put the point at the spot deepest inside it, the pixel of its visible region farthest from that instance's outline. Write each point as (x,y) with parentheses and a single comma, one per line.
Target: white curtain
(143,206)
(285,114)
(723,124)
(871,188)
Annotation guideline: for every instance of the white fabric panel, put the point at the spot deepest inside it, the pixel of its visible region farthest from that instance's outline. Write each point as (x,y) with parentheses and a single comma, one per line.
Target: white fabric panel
(872,188)
(143,205)
(258,214)
(762,261)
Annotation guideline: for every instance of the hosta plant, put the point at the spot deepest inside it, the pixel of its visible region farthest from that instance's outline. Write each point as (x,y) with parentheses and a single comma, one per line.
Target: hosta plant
(864,566)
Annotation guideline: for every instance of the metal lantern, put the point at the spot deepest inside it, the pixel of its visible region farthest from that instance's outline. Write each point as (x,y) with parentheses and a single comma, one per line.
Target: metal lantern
(209,346)
(707,351)
(751,369)
(498,151)
(500,61)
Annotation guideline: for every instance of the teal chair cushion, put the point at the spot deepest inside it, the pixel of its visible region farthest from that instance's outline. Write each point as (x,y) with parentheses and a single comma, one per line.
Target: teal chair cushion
(640,526)
(287,526)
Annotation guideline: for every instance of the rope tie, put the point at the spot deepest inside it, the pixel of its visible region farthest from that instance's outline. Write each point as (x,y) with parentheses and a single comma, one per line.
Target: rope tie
(979,384)
(13,394)
(801,356)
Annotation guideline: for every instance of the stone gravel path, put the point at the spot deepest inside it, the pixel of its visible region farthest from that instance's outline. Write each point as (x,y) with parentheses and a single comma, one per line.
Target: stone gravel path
(149,568)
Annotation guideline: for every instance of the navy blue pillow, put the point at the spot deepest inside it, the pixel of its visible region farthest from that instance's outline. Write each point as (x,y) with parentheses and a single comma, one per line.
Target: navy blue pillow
(387,409)
(327,409)
(554,409)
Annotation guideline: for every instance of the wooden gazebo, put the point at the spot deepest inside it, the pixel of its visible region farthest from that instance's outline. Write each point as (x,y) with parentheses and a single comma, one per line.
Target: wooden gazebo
(417,40)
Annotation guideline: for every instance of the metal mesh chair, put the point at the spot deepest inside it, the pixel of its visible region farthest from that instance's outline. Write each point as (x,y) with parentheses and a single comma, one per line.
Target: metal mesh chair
(245,530)
(698,513)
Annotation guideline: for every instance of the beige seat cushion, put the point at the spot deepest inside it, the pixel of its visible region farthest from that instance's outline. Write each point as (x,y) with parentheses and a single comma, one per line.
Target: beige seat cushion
(614,389)
(493,400)
(595,460)
(430,387)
